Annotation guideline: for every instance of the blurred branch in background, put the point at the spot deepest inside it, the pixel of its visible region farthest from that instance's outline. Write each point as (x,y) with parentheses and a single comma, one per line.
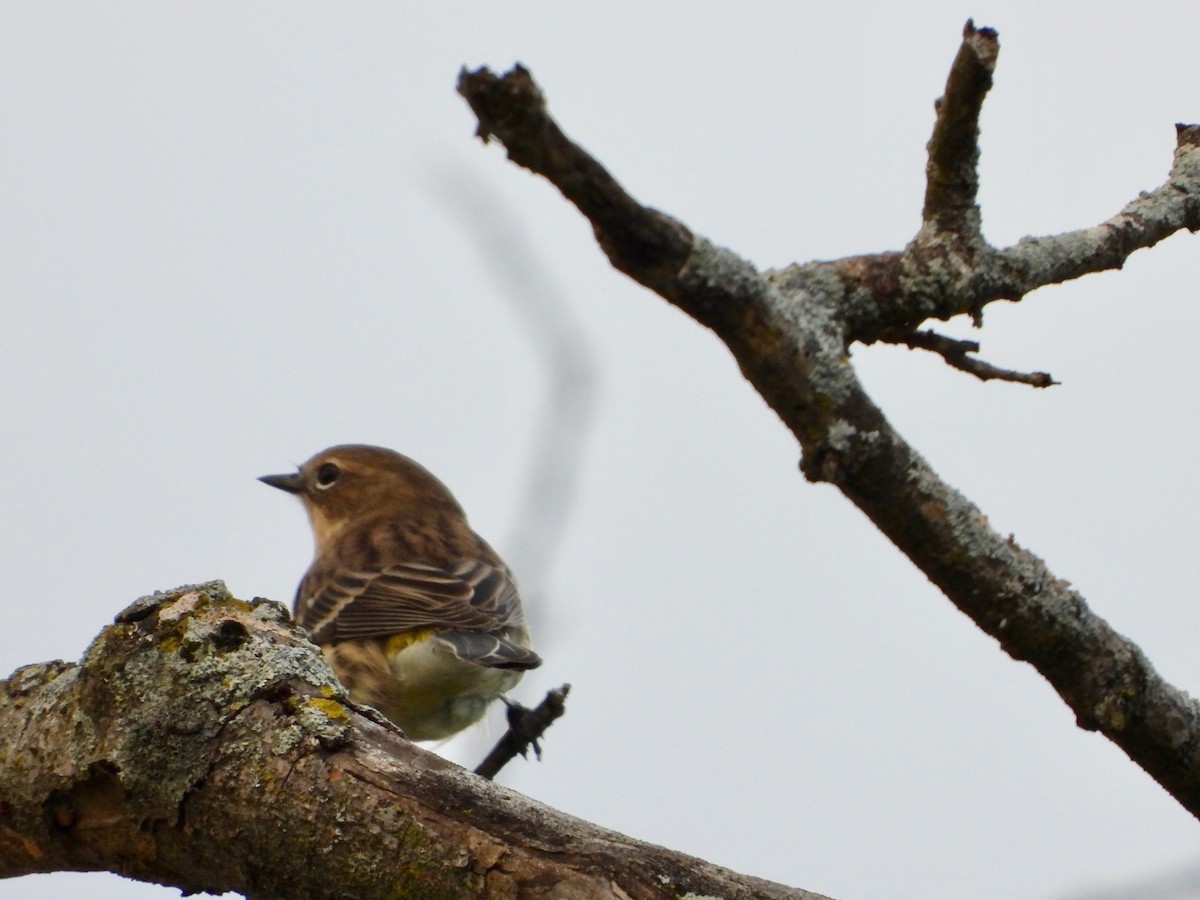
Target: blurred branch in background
(557,337)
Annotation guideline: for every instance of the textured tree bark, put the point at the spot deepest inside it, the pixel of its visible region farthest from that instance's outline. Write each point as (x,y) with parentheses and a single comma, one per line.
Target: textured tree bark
(202,742)
(791,332)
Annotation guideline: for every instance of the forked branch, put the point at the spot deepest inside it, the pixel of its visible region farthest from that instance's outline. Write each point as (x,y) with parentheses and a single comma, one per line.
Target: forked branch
(789,331)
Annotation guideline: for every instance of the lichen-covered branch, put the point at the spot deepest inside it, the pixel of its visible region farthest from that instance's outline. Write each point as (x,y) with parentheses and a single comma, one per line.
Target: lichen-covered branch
(790,332)
(941,275)
(1153,216)
(203,743)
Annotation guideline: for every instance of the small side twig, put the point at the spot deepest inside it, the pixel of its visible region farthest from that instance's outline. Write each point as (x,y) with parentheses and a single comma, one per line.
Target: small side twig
(956,353)
(525,727)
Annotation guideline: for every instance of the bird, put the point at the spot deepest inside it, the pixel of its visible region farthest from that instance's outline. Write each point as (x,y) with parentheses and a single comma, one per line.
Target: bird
(418,616)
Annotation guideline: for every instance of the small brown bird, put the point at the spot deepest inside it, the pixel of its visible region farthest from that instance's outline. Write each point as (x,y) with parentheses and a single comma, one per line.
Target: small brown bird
(417,614)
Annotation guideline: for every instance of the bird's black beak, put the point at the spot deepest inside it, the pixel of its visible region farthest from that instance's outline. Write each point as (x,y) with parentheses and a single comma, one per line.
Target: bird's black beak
(290,483)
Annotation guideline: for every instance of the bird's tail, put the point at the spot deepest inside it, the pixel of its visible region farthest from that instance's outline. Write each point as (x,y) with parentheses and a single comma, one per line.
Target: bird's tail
(489,649)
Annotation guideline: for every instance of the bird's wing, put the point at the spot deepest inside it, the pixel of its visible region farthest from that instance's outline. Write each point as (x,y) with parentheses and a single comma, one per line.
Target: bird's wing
(469,594)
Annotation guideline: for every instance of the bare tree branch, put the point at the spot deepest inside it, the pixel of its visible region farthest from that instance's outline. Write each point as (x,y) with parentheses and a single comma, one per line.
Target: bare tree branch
(941,275)
(956,353)
(203,742)
(1151,217)
(641,242)
(951,176)
(525,729)
(789,332)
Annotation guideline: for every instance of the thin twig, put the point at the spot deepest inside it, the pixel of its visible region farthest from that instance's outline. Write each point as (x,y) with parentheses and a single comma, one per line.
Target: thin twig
(525,727)
(955,352)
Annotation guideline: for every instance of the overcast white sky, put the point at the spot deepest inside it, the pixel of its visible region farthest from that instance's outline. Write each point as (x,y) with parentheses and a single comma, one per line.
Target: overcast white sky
(232,234)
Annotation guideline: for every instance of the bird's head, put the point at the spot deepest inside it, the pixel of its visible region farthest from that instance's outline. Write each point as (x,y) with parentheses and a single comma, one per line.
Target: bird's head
(352,482)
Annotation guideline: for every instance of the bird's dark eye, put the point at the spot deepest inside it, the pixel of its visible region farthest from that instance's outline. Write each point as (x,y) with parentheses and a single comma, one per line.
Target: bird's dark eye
(327,475)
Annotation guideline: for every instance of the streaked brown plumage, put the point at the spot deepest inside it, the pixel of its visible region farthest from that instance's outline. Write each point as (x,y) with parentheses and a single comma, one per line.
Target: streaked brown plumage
(417,614)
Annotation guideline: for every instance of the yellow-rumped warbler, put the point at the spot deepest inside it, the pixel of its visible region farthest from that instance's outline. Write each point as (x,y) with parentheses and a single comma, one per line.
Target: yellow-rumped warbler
(417,614)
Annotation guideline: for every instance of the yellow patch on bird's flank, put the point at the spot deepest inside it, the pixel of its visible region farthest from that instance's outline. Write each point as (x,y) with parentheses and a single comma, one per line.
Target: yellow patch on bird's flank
(398,642)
